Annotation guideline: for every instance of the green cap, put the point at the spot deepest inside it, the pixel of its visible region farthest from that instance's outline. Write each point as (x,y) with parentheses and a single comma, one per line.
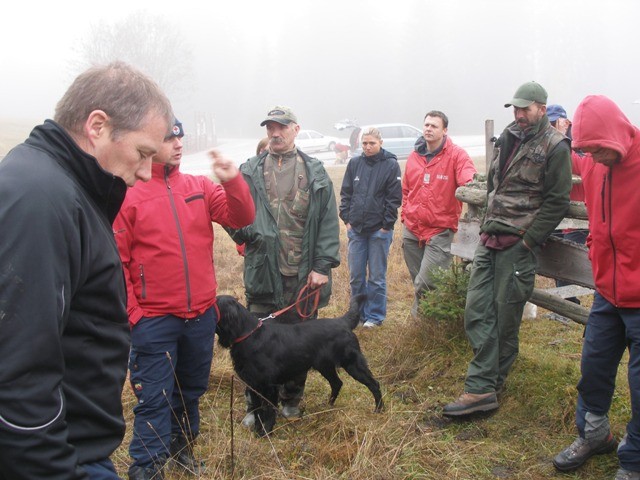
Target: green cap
(280,114)
(527,94)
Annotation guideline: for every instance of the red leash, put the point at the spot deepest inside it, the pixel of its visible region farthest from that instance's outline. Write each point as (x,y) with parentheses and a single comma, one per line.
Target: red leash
(302,301)
(244,337)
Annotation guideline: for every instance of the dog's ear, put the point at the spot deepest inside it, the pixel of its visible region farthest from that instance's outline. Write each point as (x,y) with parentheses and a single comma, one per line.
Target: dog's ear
(232,322)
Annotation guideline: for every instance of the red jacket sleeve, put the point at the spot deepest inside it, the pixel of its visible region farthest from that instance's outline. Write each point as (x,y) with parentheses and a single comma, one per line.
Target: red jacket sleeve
(231,204)
(122,231)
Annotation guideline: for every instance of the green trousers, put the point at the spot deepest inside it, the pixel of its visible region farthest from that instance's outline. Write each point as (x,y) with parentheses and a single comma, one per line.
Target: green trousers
(501,282)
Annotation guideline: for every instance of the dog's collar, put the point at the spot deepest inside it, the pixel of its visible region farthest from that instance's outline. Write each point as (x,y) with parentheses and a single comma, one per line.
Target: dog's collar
(244,337)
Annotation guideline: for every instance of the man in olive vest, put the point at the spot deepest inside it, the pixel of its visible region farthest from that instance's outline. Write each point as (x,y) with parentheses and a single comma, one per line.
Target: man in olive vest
(528,189)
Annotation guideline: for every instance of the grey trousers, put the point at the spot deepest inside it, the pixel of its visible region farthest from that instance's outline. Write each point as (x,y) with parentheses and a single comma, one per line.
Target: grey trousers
(422,260)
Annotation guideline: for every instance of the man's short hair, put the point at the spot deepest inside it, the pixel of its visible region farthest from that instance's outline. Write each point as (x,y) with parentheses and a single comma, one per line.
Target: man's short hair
(440,115)
(124,93)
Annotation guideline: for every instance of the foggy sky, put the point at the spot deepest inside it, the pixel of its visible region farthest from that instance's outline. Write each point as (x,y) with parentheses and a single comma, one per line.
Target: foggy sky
(375,60)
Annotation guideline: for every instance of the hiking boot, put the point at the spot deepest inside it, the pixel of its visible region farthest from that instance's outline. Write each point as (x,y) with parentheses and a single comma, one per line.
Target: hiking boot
(290,411)
(468,403)
(370,324)
(623,474)
(249,420)
(181,451)
(582,450)
(146,473)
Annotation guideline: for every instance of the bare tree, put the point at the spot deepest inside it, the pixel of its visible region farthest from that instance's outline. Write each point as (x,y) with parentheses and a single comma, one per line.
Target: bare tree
(147,41)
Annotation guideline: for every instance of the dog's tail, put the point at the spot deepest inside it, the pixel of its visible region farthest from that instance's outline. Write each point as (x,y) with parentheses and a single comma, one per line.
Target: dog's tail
(353,315)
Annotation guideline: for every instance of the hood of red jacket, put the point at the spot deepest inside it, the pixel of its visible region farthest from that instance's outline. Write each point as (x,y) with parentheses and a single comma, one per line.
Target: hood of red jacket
(599,123)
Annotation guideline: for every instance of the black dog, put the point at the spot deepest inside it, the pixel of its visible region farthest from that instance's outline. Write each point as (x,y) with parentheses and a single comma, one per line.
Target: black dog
(268,354)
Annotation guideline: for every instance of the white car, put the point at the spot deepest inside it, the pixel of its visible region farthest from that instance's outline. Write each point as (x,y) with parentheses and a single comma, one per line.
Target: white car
(310,141)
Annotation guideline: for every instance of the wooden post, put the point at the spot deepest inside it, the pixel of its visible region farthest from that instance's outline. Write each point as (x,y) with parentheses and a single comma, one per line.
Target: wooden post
(488,144)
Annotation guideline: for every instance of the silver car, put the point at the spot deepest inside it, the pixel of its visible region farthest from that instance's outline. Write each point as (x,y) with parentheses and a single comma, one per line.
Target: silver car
(398,138)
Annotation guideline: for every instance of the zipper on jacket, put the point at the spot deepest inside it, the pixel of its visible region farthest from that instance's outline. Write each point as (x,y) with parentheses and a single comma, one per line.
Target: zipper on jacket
(609,209)
(143,282)
(183,249)
(602,195)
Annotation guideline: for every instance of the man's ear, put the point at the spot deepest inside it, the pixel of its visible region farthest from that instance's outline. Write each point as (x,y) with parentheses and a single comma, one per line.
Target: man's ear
(96,126)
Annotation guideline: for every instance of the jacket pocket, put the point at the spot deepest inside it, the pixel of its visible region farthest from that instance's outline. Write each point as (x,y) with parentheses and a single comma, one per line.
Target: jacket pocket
(257,275)
(300,204)
(523,274)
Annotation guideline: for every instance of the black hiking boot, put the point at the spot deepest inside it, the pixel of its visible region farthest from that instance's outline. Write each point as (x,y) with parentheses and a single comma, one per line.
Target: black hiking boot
(181,452)
(582,450)
(146,473)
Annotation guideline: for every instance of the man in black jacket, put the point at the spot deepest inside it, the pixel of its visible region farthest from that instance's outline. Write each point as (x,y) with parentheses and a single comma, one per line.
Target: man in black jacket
(65,333)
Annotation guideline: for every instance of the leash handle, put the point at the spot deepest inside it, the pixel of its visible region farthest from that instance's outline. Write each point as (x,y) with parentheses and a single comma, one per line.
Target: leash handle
(303,296)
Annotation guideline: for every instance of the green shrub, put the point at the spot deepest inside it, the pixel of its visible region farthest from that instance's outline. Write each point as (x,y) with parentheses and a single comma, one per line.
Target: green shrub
(444,305)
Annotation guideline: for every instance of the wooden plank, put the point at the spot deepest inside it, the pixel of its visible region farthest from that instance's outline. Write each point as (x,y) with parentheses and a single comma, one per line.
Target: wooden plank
(575,312)
(559,259)
(477,195)
(569,291)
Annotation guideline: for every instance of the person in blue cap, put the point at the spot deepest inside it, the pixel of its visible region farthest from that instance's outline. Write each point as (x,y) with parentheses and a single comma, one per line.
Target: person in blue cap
(579,163)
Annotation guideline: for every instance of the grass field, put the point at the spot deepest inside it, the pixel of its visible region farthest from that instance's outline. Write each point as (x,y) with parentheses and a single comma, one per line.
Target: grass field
(420,367)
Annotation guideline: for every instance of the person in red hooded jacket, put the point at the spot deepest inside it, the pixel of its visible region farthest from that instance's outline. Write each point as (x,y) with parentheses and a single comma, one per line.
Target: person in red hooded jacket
(612,197)
(165,238)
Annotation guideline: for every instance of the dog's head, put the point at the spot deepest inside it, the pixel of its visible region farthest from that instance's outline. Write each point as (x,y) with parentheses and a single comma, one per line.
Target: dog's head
(235,320)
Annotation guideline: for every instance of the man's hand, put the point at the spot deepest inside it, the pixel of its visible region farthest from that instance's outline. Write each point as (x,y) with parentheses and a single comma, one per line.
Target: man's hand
(316,280)
(223,167)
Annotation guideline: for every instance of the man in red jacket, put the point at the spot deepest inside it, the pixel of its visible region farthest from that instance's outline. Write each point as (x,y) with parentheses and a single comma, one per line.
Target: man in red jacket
(612,197)
(165,237)
(430,210)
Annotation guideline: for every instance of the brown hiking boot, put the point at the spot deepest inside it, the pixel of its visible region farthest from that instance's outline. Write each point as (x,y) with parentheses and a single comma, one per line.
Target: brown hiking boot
(468,403)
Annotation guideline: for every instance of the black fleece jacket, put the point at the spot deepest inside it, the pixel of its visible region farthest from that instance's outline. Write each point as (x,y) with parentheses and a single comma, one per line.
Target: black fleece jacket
(64,335)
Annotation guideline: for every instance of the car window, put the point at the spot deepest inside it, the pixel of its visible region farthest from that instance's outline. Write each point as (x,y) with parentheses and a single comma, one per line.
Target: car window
(410,132)
(303,136)
(314,135)
(391,132)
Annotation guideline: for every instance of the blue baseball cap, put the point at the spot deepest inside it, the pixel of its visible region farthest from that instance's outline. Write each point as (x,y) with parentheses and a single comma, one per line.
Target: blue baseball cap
(554,112)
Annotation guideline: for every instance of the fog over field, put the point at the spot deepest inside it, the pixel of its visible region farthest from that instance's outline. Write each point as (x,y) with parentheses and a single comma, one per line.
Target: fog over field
(373,61)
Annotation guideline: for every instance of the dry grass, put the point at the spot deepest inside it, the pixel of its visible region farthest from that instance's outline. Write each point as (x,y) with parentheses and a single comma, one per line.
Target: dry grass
(420,369)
